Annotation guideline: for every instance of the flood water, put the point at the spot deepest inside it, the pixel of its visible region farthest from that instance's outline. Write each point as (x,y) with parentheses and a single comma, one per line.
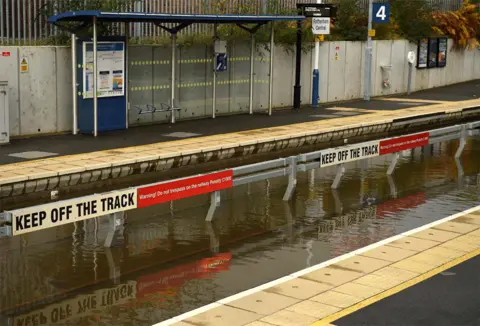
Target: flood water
(169,260)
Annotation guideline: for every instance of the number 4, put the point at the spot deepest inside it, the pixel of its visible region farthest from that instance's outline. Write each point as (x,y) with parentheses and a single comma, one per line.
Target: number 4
(381,13)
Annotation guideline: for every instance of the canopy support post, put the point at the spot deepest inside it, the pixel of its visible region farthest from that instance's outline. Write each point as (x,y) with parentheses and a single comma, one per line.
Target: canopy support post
(74,83)
(127,73)
(172,90)
(214,81)
(95,95)
(252,53)
(298,66)
(270,81)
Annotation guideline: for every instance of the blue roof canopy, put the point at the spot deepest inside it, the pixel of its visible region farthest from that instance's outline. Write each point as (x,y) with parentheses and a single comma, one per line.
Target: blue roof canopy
(86,16)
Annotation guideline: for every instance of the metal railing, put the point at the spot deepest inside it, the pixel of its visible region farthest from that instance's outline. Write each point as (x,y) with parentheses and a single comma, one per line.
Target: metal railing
(24,22)
(262,171)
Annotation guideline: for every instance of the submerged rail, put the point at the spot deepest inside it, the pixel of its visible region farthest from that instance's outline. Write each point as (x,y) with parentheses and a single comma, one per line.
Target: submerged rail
(31,219)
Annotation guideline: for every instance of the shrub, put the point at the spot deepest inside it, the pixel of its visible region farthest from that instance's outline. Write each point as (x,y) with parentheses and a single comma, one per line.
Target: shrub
(351,23)
(463,25)
(412,19)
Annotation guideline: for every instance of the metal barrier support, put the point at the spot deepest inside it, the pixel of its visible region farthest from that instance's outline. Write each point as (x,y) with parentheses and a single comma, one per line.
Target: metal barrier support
(339,176)
(214,239)
(393,187)
(288,214)
(292,178)
(463,142)
(338,202)
(6,230)
(214,203)
(117,221)
(460,171)
(393,163)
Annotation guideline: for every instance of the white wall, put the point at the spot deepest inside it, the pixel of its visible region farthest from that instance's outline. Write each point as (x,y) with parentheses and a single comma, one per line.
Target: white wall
(41,99)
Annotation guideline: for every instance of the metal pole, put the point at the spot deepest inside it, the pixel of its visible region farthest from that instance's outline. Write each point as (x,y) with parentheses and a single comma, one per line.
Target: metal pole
(24,18)
(35,23)
(127,74)
(270,81)
(316,74)
(30,23)
(409,85)
(367,80)
(14,36)
(298,66)
(7,21)
(214,80)
(1,22)
(95,99)
(19,35)
(252,60)
(172,91)
(74,83)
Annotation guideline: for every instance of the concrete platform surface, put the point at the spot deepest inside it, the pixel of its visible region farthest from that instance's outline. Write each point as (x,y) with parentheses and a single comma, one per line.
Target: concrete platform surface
(449,298)
(323,294)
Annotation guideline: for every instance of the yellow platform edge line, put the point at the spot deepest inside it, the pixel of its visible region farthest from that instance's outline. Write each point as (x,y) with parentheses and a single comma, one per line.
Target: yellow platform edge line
(347,311)
(413,100)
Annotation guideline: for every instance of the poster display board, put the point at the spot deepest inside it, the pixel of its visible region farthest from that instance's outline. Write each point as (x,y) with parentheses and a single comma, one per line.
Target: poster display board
(422,54)
(442,52)
(110,69)
(432,52)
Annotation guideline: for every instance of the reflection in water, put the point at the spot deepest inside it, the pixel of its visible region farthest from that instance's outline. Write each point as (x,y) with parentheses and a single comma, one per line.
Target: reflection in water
(152,289)
(168,260)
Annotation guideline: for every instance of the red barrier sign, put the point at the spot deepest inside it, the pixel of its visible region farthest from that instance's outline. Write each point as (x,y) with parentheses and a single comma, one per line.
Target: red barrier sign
(184,188)
(5,54)
(403,143)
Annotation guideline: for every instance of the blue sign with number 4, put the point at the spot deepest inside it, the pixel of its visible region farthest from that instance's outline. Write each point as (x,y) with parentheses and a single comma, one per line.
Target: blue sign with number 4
(381,13)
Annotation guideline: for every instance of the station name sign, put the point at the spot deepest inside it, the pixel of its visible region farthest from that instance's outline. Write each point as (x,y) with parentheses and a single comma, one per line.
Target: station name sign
(317,10)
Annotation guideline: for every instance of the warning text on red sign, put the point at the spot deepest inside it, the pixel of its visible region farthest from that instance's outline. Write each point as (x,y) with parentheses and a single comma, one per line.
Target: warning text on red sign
(184,188)
(403,143)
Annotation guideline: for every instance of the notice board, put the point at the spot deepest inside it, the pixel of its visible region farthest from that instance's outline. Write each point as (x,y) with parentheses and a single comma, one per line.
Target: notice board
(110,69)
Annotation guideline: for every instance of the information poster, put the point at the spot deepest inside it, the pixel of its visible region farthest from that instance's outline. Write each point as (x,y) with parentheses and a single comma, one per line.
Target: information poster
(442,52)
(110,69)
(432,52)
(422,59)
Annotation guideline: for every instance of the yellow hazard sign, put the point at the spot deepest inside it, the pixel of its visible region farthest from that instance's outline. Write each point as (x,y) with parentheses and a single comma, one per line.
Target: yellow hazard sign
(320,38)
(24,65)
(371,32)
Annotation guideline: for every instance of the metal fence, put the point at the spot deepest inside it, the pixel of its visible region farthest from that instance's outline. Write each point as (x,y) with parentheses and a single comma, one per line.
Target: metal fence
(437,5)
(24,22)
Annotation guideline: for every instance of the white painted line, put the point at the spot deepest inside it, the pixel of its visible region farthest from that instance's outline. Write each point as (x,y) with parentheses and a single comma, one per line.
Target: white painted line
(181,134)
(310,269)
(32,154)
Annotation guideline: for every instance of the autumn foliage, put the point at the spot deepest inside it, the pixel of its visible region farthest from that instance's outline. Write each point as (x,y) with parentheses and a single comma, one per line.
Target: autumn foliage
(462,26)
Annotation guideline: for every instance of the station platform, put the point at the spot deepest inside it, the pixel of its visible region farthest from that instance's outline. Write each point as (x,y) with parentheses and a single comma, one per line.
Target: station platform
(42,163)
(427,276)
(449,298)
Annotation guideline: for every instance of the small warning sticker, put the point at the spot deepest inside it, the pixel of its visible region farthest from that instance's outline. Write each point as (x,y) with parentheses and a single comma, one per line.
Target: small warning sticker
(24,65)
